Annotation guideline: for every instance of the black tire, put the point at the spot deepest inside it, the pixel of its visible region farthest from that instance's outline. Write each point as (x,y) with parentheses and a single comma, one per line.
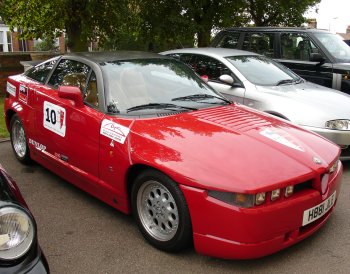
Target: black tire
(161,211)
(19,140)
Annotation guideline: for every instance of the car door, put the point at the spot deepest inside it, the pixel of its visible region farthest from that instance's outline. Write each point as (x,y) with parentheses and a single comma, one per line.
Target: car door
(295,53)
(70,133)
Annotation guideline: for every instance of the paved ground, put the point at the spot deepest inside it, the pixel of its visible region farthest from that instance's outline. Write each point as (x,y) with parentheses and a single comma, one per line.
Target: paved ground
(80,234)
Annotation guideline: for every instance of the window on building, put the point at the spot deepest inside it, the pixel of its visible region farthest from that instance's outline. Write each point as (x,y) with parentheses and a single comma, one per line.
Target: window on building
(1,41)
(23,45)
(9,41)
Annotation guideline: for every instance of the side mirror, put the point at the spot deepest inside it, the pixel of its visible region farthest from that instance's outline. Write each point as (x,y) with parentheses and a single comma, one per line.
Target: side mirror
(316,57)
(227,79)
(72,93)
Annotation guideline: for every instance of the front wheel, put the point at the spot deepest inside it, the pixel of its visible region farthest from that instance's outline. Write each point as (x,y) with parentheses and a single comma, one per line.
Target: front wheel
(161,211)
(19,140)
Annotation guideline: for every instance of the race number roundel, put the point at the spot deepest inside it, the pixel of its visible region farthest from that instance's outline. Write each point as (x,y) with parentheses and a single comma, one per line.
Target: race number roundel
(55,118)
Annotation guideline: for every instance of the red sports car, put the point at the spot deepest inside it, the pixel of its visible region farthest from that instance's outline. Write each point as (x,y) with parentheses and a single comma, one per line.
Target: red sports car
(146,135)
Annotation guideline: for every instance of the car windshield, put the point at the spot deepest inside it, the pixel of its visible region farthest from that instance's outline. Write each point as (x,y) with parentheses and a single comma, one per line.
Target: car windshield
(335,46)
(263,71)
(151,86)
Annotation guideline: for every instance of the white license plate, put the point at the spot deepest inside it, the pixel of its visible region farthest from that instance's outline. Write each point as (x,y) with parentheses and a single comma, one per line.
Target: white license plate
(316,212)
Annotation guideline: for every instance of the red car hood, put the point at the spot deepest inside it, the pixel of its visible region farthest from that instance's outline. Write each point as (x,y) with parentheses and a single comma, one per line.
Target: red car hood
(230,148)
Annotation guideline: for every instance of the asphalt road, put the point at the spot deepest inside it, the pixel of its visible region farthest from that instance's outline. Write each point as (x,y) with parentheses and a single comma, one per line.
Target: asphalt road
(80,234)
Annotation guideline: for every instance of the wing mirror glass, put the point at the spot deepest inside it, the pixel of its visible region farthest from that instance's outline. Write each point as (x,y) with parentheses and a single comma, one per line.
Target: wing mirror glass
(72,93)
(227,79)
(316,57)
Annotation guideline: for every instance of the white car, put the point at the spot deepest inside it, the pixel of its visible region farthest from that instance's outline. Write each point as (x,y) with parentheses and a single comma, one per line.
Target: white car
(261,83)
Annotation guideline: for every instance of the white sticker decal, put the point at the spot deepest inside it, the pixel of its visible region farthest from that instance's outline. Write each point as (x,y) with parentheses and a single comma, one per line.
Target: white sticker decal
(280,139)
(11,89)
(55,118)
(37,145)
(114,131)
(23,93)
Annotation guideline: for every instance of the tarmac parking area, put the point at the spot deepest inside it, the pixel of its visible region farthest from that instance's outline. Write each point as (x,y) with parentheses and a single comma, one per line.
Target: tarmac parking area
(80,234)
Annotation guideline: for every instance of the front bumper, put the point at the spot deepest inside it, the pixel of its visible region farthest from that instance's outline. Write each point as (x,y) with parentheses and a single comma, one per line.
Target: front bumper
(225,231)
(339,137)
(33,263)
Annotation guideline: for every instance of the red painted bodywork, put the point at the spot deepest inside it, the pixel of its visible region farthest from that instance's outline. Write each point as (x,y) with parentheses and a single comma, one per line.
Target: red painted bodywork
(219,148)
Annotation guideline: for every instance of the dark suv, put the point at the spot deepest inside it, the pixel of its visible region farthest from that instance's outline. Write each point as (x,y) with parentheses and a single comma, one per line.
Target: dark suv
(316,55)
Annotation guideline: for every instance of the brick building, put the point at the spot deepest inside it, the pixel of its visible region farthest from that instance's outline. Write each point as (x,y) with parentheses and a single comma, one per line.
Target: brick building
(9,41)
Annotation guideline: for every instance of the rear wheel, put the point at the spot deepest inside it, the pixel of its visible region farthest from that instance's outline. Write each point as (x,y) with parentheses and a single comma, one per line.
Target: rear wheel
(161,211)
(19,139)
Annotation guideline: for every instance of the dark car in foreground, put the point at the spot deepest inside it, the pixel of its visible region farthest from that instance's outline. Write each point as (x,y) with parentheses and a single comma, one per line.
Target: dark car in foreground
(146,135)
(316,55)
(19,248)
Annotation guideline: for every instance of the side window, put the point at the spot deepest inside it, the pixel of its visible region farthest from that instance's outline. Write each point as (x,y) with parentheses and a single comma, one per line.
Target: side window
(210,67)
(91,95)
(70,73)
(297,46)
(229,41)
(186,58)
(261,43)
(40,73)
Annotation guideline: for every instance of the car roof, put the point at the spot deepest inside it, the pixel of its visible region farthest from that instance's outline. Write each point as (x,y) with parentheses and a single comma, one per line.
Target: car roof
(215,52)
(111,56)
(277,29)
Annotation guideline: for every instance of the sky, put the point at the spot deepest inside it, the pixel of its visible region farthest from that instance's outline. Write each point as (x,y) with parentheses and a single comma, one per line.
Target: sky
(333,15)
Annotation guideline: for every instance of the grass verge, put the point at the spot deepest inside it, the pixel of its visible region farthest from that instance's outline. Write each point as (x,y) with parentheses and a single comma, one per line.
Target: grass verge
(3,130)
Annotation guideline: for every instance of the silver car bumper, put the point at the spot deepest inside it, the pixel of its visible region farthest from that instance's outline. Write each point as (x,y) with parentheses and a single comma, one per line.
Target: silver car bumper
(339,137)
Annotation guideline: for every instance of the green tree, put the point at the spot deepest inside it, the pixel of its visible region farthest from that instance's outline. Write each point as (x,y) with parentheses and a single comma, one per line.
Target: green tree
(177,23)
(165,23)
(278,13)
(82,20)
(47,44)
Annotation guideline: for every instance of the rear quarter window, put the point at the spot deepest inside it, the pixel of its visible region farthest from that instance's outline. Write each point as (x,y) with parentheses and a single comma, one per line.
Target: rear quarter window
(229,40)
(40,73)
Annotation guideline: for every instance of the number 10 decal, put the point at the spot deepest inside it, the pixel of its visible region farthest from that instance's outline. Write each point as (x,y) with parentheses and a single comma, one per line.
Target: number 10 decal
(55,118)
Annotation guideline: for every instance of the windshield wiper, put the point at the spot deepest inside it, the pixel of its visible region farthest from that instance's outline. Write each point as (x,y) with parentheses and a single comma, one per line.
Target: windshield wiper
(157,106)
(198,97)
(285,81)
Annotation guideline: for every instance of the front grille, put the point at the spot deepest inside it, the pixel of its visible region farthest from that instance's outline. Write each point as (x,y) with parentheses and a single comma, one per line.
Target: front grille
(170,113)
(303,186)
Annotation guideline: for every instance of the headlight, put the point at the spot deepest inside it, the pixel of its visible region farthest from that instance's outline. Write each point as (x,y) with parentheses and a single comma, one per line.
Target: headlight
(237,199)
(334,167)
(250,200)
(338,124)
(16,232)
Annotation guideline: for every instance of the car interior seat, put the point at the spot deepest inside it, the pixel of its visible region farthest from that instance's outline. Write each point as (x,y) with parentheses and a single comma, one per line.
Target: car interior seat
(287,48)
(75,79)
(92,93)
(303,50)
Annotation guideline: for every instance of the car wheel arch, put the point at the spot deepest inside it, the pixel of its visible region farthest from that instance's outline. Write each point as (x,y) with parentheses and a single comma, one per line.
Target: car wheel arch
(9,115)
(132,174)
(147,178)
